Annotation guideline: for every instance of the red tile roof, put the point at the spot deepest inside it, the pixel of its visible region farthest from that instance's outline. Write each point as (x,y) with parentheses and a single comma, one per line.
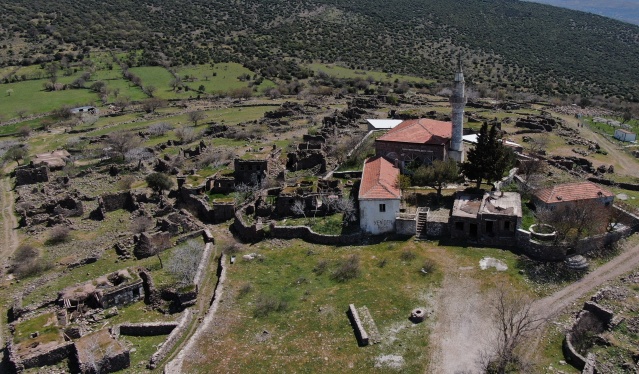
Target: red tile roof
(422,131)
(379,180)
(572,192)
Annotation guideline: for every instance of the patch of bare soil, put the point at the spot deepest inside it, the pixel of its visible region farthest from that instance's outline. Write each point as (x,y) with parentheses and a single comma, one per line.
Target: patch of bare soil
(462,330)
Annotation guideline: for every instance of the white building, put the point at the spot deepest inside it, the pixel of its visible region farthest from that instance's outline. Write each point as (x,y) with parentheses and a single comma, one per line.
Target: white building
(382,124)
(379,196)
(625,135)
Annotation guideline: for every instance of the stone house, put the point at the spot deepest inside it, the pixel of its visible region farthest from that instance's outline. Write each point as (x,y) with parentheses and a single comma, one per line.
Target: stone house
(567,194)
(492,218)
(250,171)
(379,196)
(422,139)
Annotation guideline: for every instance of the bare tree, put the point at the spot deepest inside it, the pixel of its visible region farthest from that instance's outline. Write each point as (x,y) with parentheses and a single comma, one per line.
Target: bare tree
(186,134)
(299,208)
(575,220)
(196,117)
(513,319)
(121,142)
(346,206)
(160,128)
(184,262)
(153,104)
(245,192)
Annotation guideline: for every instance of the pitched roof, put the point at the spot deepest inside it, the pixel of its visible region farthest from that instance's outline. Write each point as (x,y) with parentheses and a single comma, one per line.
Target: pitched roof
(379,180)
(572,192)
(422,131)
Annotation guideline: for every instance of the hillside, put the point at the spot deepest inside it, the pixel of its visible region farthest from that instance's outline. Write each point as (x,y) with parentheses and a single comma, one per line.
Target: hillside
(623,10)
(507,44)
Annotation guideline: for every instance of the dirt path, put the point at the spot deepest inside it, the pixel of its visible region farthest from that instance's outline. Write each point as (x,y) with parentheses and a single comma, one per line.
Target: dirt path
(462,329)
(9,234)
(9,222)
(624,163)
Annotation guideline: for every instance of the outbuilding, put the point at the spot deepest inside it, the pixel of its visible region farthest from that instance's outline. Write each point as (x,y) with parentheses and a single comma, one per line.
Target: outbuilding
(625,135)
(379,196)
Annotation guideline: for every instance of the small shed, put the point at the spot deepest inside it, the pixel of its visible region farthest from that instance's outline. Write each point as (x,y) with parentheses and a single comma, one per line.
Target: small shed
(625,135)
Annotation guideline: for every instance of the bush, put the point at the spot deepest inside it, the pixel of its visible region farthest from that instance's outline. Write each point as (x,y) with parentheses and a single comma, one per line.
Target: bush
(159,182)
(126,182)
(407,256)
(347,269)
(265,305)
(26,262)
(231,248)
(59,234)
(321,267)
(428,267)
(244,290)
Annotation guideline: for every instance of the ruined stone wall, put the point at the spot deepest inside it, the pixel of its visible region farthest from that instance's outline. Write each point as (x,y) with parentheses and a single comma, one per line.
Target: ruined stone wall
(558,251)
(40,358)
(405,226)
(31,175)
(248,233)
(437,229)
(305,233)
(176,334)
(116,201)
(147,329)
(122,295)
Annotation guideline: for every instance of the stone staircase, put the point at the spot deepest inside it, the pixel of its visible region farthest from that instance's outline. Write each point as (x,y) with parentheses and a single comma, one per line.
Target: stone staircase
(422,218)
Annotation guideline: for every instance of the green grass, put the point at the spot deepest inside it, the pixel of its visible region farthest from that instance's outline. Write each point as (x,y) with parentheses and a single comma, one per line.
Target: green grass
(48,333)
(315,310)
(343,72)
(221,77)
(30,96)
(158,77)
(329,225)
(144,346)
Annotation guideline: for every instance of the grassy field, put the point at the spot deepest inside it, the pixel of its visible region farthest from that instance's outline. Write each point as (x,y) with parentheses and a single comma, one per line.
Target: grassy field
(343,72)
(222,77)
(31,97)
(389,284)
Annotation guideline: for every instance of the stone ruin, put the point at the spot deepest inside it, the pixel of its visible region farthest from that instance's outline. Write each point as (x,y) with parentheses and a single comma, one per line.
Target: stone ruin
(543,123)
(31,174)
(116,289)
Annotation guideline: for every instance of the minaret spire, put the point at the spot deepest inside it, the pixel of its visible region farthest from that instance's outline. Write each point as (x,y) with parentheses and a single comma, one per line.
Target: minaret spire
(458,103)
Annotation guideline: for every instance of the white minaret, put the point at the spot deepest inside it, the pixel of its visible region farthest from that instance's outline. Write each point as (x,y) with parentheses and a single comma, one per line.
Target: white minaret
(458,102)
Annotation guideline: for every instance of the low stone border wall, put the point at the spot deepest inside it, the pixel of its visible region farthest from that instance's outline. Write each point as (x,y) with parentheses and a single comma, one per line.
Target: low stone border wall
(45,357)
(173,338)
(146,329)
(204,263)
(305,233)
(360,332)
(590,310)
(175,365)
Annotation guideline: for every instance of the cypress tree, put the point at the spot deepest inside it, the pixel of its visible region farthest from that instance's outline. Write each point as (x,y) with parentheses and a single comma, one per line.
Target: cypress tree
(489,159)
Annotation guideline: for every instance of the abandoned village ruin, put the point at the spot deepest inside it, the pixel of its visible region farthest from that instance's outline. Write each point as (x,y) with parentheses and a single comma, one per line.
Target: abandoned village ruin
(260,192)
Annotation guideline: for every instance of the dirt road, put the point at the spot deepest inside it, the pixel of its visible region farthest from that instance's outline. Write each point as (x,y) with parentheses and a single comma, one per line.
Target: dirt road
(625,164)
(9,222)
(9,234)
(463,330)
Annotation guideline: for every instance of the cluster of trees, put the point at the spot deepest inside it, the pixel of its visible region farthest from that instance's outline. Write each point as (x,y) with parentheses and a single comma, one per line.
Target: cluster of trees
(509,51)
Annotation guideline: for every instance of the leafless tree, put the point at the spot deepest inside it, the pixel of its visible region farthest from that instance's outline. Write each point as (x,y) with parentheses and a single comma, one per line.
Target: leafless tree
(141,224)
(513,320)
(575,220)
(160,128)
(153,104)
(346,206)
(138,154)
(245,192)
(196,117)
(299,208)
(184,262)
(121,142)
(186,134)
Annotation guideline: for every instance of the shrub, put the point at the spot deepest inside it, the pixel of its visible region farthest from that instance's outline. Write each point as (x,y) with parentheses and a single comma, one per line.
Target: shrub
(231,248)
(321,267)
(407,256)
(126,182)
(428,267)
(26,262)
(160,128)
(159,182)
(59,234)
(347,269)
(244,290)
(265,305)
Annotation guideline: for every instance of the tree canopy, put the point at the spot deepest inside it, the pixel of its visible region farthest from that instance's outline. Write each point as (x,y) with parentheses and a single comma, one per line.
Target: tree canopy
(437,175)
(489,160)
(159,182)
